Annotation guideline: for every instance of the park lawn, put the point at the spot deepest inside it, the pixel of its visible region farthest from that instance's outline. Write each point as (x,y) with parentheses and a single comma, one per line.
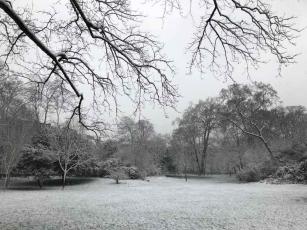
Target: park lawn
(216,202)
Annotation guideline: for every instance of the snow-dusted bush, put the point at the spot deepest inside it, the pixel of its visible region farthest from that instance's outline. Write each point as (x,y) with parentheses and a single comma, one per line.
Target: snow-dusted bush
(295,173)
(249,175)
(117,170)
(257,172)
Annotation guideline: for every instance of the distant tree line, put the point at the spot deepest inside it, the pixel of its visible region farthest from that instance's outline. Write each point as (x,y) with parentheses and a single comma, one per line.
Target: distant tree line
(243,126)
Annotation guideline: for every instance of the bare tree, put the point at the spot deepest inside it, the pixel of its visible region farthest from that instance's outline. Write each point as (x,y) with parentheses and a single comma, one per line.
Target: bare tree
(234,142)
(69,35)
(197,124)
(52,101)
(230,32)
(72,150)
(69,41)
(290,123)
(189,132)
(247,108)
(16,123)
(138,138)
(15,134)
(181,151)
(207,116)
(127,132)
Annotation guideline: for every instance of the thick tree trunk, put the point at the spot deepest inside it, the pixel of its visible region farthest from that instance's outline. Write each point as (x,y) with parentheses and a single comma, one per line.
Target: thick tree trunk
(195,151)
(197,161)
(204,153)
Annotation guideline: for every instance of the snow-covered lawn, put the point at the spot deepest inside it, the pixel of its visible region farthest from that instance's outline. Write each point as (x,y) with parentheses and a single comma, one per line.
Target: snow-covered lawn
(162,203)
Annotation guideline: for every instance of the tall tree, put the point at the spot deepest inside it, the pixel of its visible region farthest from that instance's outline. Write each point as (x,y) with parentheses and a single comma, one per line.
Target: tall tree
(248,108)
(189,132)
(197,124)
(207,116)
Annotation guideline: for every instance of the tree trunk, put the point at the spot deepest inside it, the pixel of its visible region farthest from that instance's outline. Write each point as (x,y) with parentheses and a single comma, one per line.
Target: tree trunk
(39,183)
(268,149)
(195,151)
(64,179)
(185,173)
(7,180)
(197,161)
(204,153)
(241,163)
(203,164)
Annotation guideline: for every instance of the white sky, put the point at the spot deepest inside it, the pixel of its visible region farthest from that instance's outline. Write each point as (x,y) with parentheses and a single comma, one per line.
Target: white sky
(176,32)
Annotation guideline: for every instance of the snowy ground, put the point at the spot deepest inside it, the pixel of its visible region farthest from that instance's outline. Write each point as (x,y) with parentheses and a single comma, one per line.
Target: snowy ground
(162,203)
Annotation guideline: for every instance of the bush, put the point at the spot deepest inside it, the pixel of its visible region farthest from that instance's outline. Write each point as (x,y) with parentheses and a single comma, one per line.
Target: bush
(114,168)
(249,175)
(295,173)
(257,172)
(133,173)
(302,172)
(37,162)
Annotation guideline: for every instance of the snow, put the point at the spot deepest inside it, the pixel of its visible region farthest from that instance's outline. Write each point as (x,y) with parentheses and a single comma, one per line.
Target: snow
(163,203)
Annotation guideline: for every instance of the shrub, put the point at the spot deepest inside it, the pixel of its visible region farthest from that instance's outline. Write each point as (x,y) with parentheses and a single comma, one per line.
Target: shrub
(295,173)
(117,170)
(302,172)
(257,172)
(36,161)
(133,173)
(249,175)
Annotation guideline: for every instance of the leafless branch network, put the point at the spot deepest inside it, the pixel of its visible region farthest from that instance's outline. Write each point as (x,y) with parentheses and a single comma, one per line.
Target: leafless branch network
(64,47)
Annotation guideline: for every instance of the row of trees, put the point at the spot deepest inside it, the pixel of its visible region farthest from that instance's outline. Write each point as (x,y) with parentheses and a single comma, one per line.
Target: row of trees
(29,146)
(56,50)
(245,124)
(242,119)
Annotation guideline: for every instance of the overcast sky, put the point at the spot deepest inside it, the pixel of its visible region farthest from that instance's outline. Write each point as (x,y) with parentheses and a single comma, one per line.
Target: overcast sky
(176,32)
